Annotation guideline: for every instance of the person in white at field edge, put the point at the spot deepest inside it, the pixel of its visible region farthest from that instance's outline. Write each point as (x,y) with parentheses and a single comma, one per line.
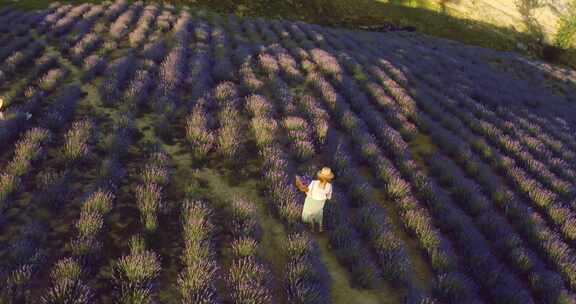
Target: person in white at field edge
(317,193)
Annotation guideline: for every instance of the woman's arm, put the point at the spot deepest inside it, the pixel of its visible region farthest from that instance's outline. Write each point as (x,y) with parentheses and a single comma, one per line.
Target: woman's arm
(300,185)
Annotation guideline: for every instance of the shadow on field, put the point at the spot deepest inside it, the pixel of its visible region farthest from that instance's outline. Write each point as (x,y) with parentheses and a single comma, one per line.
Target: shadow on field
(353,14)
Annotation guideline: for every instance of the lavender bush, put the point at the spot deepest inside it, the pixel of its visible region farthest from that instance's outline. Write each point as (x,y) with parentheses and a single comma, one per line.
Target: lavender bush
(246,278)
(229,136)
(303,281)
(197,282)
(63,108)
(51,80)
(120,27)
(172,73)
(76,145)
(197,131)
(67,284)
(134,274)
(117,74)
(139,88)
(27,150)
(84,47)
(8,185)
(149,201)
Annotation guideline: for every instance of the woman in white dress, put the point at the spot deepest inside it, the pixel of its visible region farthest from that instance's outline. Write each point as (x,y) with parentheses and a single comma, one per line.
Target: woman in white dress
(317,192)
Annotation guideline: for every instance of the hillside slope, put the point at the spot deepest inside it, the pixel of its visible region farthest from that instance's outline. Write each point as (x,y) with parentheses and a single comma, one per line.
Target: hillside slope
(148,155)
(509,13)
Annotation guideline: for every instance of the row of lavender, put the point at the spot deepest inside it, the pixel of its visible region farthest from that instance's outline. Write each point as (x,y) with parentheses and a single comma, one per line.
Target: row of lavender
(547,241)
(349,122)
(67,272)
(463,190)
(31,153)
(202,123)
(305,282)
(66,23)
(406,121)
(227,142)
(226,99)
(447,144)
(30,148)
(344,238)
(344,235)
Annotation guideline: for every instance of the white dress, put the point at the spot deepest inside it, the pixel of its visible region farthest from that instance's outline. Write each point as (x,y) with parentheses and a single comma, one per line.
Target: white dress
(314,203)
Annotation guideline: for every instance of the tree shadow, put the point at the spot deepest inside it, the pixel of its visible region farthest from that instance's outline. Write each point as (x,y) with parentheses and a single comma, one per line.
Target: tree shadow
(401,13)
(441,24)
(405,13)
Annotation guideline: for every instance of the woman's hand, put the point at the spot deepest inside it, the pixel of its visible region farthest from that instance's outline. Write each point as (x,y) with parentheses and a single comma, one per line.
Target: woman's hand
(299,185)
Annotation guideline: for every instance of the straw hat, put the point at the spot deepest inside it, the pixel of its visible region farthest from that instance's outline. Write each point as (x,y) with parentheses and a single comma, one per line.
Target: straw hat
(325,173)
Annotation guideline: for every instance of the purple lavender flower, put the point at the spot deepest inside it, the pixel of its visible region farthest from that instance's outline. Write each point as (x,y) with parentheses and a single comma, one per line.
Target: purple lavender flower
(289,68)
(226,92)
(89,224)
(117,74)
(120,27)
(171,72)
(155,174)
(250,81)
(115,10)
(327,63)
(149,202)
(197,132)
(243,219)
(264,130)
(182,28)
(228,140)
(268,63)
(98,202)
(258,106)
(244,247)
(165,20)
(69,291)
(8,185)
(138,88)
(28,149)
(135,273)
(93,65)
(196,283)
(155,51)
(246,279)
(77,140)
(84,46)
(51,79)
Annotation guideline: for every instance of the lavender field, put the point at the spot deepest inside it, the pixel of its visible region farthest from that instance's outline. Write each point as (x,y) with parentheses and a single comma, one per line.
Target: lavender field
(148,153)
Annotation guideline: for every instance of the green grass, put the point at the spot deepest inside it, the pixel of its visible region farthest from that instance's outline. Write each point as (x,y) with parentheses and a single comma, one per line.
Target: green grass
(422,147)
